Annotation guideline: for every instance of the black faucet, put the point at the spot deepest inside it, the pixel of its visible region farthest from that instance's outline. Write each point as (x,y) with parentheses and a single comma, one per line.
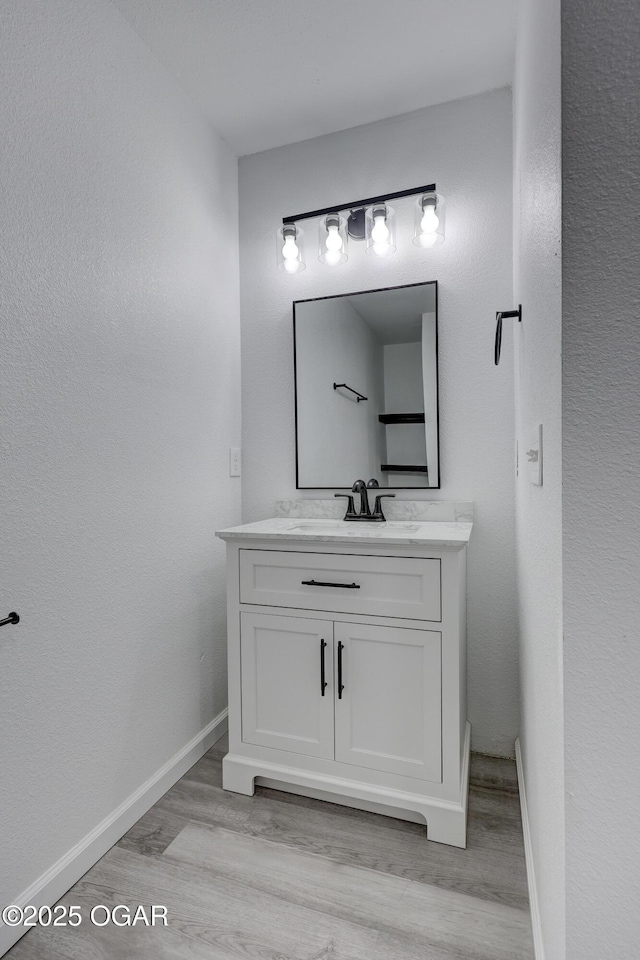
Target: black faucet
(365,514)
(351,510)
(365,511)
(361,488)
(377,514)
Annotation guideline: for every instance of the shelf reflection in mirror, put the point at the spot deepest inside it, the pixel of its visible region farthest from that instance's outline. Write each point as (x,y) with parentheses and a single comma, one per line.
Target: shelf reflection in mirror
(366,382)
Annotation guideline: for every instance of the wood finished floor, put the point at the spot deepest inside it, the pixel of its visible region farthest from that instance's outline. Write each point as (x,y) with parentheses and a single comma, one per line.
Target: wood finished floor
(281,877)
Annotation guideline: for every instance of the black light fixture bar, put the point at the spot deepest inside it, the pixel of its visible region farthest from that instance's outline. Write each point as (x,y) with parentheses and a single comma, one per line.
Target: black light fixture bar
(429,188)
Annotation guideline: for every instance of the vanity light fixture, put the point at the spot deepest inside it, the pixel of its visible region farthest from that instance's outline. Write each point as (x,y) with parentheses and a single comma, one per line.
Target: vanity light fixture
(332,240)
(289,248)
(429,220)
(371,220)
(380,230)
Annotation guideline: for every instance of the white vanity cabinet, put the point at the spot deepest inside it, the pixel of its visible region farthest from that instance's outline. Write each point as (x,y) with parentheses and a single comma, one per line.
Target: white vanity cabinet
(347,670)
(388,712)
(352,692)
(282,660)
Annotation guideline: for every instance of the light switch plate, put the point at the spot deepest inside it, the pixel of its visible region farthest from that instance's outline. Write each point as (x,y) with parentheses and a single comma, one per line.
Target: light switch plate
(534,458)
(234,461)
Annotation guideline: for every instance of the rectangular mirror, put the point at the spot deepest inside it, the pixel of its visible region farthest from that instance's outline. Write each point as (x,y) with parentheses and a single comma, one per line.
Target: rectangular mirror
(366,381)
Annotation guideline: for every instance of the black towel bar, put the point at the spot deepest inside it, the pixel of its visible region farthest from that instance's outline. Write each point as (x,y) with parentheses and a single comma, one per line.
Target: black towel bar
(359,396)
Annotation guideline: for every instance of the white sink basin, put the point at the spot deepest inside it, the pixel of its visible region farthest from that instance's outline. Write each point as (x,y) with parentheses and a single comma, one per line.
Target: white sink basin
(351,527)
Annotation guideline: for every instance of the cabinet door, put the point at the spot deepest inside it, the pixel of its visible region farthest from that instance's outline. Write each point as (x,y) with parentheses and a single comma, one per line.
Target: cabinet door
(283,663)
(388,713)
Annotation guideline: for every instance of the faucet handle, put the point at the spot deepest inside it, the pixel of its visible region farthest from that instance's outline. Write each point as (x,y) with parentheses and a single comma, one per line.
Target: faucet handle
(377,509)
(351,510)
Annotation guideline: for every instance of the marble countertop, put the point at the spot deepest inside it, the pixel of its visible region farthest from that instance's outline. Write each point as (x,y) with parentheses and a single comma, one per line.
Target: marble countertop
(420,533)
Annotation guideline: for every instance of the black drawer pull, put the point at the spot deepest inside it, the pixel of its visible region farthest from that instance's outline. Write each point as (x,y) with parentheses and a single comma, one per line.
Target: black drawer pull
(323,682)
(322,583)
(340,683)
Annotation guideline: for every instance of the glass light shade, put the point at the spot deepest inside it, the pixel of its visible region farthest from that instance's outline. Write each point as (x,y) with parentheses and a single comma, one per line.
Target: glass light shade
(289,248)
(332,240)
(429,216)
(380,230)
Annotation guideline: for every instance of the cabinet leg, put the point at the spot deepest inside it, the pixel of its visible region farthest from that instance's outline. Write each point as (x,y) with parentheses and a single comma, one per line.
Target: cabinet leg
(450,825)
(447,826)
(237,776)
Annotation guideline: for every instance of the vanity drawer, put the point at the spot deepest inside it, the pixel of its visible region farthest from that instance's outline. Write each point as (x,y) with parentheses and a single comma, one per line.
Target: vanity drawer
(379,586)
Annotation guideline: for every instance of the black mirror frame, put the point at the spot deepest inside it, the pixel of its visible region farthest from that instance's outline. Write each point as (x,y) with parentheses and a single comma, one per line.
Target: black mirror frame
(403,286)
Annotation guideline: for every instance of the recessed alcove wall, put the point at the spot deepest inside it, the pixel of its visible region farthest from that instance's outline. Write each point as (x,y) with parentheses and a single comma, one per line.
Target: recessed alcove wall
(465,147)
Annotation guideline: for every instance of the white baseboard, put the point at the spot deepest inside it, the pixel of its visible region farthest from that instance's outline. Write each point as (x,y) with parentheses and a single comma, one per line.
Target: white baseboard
(536,925)
(55,882)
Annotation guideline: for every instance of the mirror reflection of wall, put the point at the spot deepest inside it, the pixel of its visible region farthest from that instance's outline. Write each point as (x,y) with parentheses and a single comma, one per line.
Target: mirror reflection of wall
(380,345)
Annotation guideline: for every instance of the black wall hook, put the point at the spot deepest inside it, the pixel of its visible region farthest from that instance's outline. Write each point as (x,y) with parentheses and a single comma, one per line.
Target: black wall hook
(12,618)
(500,316)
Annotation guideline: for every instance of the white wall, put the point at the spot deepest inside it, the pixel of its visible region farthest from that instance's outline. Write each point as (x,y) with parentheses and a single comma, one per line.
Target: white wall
(465,146)
(338,436)
(537,285)
(601,475)
(119,354)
